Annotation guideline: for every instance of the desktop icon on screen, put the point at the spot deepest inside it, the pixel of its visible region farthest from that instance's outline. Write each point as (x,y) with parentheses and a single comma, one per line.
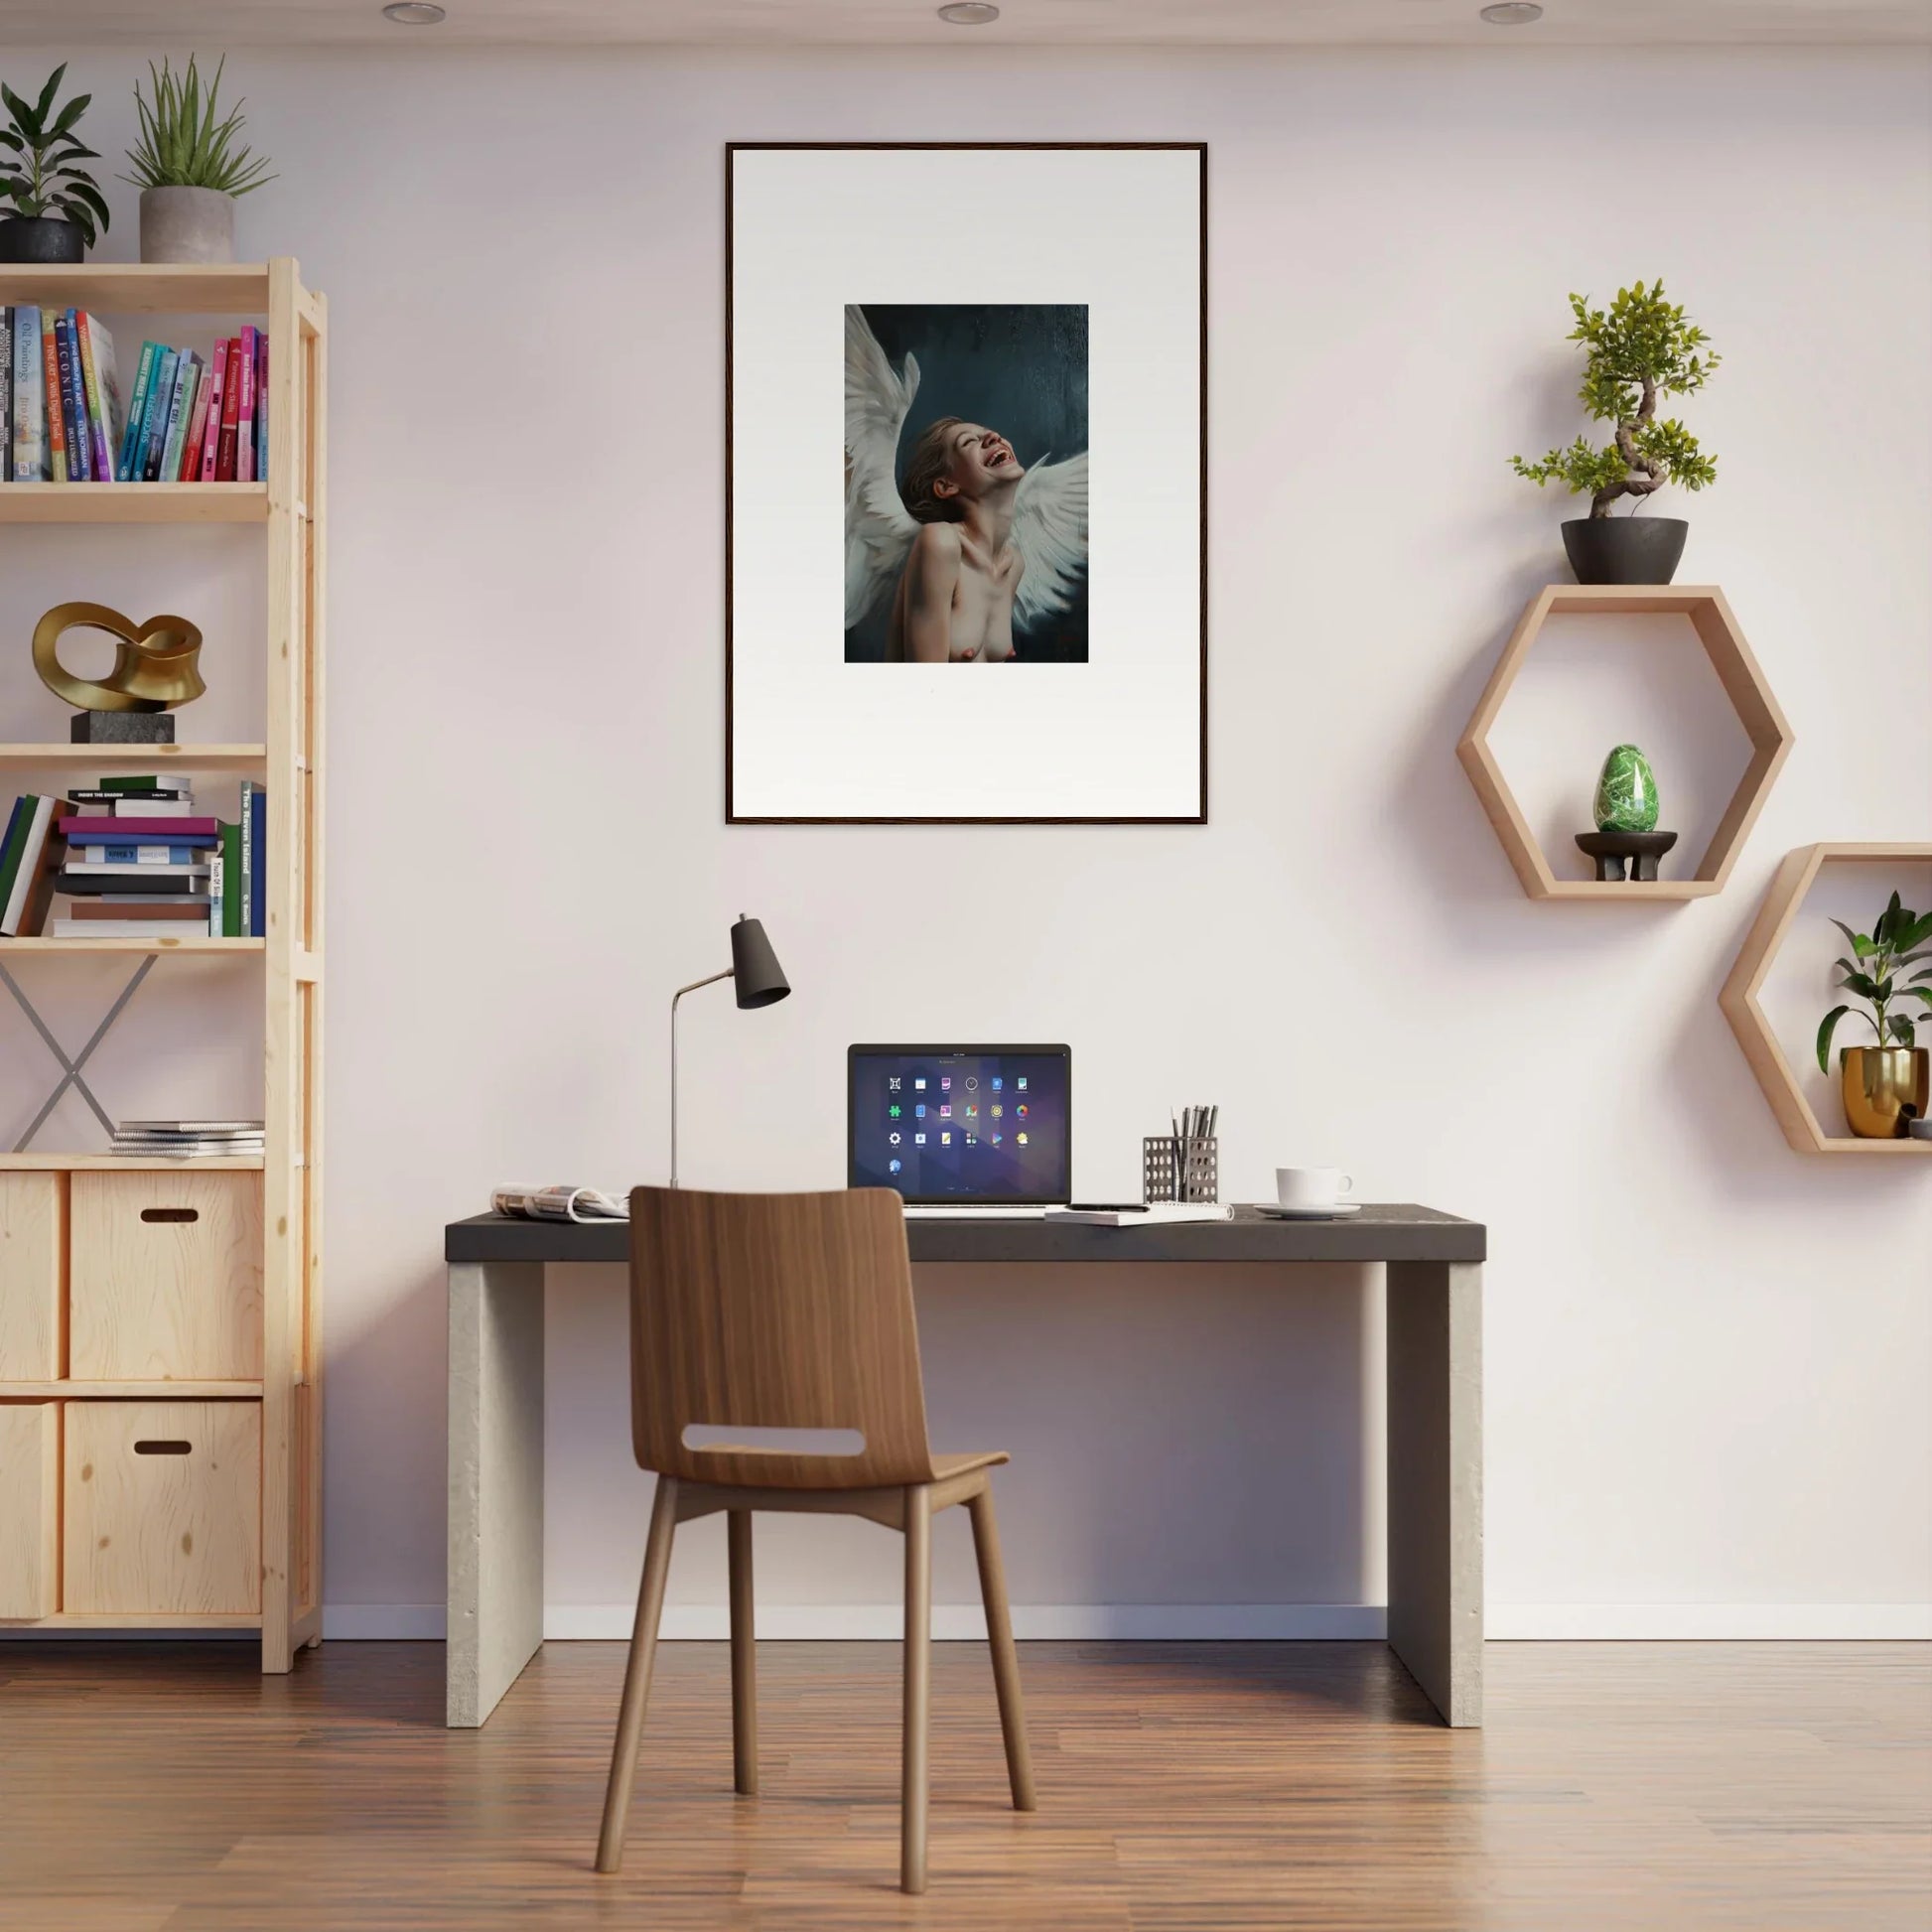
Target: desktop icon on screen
(918,1083)
(997,1083)
(946,1083)
(919,1140)
(892,1110)
(945,1112)
(895,1166)
(1021,1083)
(1021,1137)
(893,1137)
(945,1140)
(891,1083)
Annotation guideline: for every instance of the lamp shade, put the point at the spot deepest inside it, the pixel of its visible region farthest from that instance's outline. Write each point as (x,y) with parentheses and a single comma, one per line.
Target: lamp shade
(756,977)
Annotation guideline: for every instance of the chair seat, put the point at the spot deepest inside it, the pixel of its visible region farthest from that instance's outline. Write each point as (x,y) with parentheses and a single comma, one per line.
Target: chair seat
(946,1466)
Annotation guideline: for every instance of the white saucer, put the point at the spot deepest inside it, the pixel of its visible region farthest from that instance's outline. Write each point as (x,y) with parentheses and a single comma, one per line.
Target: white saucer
(1274,1214)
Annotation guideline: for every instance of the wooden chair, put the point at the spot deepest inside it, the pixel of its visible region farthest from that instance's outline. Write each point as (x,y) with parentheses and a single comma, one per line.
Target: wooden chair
(793,1312)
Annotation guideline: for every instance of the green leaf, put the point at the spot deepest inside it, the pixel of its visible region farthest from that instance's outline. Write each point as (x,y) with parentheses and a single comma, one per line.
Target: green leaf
(1862,984)
(1827,1028)
(1859,943)
(1903,1030)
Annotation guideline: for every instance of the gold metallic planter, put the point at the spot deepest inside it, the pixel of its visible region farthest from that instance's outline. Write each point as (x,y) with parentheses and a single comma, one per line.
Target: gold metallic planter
(1879,1084)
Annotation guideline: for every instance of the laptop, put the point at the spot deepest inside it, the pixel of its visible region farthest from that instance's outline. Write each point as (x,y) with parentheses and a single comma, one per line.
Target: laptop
(962,1130)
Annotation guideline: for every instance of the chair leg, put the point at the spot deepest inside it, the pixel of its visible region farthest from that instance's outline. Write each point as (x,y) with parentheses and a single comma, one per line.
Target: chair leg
(637,1675)
(744,1670)
(918,1688)
(1006,1660)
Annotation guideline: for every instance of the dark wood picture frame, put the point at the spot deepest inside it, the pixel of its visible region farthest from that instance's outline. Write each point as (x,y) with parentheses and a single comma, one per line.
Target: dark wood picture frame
(735,148)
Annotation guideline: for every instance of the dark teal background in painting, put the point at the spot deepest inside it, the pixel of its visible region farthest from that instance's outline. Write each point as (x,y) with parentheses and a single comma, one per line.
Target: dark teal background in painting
(1018,369)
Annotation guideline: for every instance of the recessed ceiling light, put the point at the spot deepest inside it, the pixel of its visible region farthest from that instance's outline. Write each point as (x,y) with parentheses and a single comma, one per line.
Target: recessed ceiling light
(413,13)
(1512,13)
(969,13)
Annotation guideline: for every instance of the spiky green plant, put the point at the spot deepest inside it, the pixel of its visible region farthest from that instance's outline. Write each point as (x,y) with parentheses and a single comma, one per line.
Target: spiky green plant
(183,145)
(37,171)
(1898,939)
(1639,349)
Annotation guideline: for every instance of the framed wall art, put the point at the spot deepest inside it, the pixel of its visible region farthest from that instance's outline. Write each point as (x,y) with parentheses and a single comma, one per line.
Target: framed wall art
(995,608)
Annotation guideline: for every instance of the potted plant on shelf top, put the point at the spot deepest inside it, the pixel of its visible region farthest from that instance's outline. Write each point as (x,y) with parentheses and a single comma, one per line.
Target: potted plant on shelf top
(52,207)
(188,168)
(1639,349)
(1885,1085)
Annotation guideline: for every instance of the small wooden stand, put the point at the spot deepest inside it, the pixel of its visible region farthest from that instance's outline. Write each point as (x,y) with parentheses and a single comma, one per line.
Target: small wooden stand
(1612,850)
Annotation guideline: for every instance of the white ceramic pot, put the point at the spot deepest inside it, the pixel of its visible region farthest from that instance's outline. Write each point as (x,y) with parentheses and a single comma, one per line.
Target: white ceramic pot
(187,225)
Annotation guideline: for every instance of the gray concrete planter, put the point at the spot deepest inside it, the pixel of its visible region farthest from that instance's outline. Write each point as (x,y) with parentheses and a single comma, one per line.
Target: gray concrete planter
(187,225)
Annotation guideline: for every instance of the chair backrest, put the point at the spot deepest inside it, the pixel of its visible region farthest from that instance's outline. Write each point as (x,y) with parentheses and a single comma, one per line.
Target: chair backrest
(774,1312)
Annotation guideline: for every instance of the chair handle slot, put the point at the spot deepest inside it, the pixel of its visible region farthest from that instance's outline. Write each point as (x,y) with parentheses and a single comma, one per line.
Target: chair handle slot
(171,1213)
(163,1445)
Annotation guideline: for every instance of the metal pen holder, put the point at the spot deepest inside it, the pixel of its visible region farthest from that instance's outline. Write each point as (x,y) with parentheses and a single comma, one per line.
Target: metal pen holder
(1180,1170)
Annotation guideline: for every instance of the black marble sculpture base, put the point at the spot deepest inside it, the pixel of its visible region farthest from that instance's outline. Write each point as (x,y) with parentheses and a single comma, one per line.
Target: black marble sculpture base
(1612,850)
(122,728)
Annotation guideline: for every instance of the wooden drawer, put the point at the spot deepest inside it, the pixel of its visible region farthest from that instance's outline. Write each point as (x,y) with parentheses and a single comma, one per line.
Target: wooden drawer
(29,1508)
(162,1506)
(165,1277)
(32,1258)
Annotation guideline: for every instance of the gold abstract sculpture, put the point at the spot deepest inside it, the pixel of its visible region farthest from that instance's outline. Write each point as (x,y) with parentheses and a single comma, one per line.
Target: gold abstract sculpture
(154,662)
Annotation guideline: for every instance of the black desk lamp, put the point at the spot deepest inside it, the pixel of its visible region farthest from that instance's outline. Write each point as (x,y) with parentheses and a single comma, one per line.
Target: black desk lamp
(759,981)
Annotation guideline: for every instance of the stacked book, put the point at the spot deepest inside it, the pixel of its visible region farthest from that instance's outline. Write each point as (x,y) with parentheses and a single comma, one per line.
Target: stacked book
(187,1140)
(187,419)
(136,861)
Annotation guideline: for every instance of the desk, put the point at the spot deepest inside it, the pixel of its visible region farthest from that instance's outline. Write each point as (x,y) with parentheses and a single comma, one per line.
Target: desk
(1435,1404)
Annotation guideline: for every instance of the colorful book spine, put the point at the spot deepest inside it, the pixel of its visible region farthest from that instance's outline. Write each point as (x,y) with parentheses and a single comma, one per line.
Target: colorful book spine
(73,406)
(230,416)
(28,446)
(186,376)
(139,855)
(178,831)
(6,395)
(218,371)
(137,403)
(261,405)
(33,880)
(189,467)
(57,420)
(244,456)
(103,393)
(228,874)
(258,866)
(9,846)
(161,398)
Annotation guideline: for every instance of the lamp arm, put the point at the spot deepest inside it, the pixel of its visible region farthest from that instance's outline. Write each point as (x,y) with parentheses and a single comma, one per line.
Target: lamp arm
(711,980)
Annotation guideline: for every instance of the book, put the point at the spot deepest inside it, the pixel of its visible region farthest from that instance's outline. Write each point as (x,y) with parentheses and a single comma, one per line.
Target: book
(33,880)
(217,370)
(160,396)
(1155,1214)
(187,374)
(232,899)
(186,831)
(30,418)
(134,855)
(114,804)
(73,411)
(57,431)
(230,407)
(190,466)
(261,405)
(255,846)
(5,394)
(148,783)
(137,405)
(200,1129)
(121,929)
(103,386)
(133,906)
(244,466)
(17,822)
(92,882)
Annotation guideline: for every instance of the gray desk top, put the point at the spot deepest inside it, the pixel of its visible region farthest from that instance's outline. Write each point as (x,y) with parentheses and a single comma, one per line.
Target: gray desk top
(1382,1231)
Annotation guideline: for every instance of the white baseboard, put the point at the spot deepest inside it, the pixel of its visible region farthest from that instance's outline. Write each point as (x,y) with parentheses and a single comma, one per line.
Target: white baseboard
(1708,1622)
(1199,1622)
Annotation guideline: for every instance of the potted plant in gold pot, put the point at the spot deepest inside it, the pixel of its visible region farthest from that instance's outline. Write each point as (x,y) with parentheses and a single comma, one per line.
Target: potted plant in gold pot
(1886,1085)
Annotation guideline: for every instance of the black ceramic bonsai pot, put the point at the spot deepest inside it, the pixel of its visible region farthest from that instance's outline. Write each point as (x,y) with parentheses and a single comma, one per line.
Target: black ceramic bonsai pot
(40,239)
(1624,549)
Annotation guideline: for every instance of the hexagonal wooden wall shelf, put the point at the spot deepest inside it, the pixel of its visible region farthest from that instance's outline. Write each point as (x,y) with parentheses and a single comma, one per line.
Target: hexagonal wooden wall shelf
(1776,1074)
(1737,671)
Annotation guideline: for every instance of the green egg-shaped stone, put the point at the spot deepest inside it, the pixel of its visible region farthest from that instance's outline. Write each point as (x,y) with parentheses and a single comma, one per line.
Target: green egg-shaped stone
(1626,792)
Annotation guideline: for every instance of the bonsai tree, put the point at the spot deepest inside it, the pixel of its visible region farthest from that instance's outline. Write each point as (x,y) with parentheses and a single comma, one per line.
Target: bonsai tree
(182,144)
(38,150)
(1639,349)
(1897,940)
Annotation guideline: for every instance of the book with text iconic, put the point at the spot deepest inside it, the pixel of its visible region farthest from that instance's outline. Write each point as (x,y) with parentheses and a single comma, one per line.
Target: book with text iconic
(73,409)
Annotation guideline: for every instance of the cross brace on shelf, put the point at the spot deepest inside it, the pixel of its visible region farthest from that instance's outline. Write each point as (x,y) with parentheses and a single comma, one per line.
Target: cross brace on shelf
(72,1075)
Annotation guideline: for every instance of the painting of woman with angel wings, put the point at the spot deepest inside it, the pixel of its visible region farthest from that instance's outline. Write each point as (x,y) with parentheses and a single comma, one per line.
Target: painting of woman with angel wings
(965,483)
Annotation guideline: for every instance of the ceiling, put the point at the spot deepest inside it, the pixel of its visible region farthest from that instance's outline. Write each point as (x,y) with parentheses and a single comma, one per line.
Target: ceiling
(1086,23)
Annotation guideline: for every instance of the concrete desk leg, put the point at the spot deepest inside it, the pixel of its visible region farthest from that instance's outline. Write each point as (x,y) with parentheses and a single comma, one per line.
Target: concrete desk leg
(496,1609)
(1435,1325)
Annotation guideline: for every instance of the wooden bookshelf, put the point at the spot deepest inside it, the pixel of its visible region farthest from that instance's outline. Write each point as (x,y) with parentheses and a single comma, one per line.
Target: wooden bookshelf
(55,1202)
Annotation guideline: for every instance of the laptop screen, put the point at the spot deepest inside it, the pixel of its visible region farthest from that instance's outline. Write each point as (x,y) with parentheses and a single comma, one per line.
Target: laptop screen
(961,1124)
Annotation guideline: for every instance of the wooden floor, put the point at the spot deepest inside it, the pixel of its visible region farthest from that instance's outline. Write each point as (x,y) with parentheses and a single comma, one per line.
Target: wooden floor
(1185,1787)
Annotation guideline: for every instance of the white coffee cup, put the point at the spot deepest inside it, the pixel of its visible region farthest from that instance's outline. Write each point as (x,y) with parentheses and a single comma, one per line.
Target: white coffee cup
(1311,1186)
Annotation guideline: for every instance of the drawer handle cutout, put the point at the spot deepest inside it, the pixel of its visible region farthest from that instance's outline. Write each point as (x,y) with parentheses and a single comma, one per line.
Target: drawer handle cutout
(163,1448)
(171,1213)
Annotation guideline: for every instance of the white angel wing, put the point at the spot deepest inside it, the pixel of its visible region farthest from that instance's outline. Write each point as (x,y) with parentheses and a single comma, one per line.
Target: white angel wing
(1049,527)
(879,530)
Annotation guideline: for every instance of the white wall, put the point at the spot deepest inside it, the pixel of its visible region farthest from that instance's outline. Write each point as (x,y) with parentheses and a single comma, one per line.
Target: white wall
(1706,1357)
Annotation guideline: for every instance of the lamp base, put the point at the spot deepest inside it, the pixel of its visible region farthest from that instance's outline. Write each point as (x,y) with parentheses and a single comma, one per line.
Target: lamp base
(122,728)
